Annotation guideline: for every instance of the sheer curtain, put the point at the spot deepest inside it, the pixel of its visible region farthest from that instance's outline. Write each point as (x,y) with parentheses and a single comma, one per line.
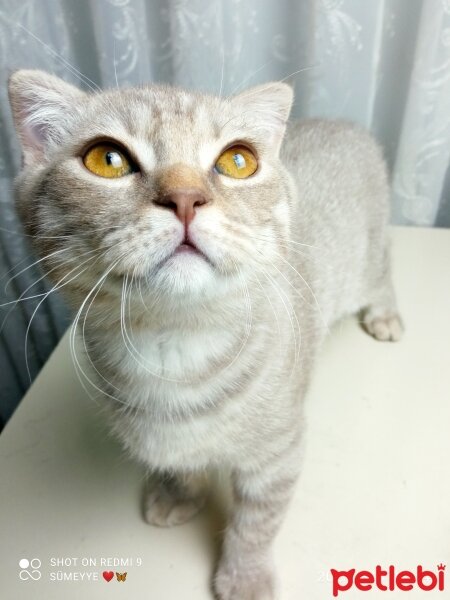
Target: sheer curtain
(384,63)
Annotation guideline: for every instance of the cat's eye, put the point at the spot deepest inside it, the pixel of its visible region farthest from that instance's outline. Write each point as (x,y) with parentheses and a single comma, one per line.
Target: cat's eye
(108,160)
(237,161)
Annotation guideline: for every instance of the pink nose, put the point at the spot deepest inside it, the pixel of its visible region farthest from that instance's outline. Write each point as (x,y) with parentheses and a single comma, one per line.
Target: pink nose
(183,202)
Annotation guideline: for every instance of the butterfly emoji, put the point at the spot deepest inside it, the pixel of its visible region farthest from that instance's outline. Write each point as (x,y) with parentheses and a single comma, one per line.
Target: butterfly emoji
(121,576)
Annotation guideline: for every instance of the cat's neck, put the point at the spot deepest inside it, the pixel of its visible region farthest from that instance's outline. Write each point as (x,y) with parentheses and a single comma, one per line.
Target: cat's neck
(155,313)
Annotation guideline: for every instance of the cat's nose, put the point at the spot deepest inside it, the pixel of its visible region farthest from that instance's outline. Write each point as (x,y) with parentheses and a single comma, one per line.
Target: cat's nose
(183,203)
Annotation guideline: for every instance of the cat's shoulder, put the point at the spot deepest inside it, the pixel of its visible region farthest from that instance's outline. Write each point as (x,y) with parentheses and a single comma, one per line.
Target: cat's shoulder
(328,136)
(323,131)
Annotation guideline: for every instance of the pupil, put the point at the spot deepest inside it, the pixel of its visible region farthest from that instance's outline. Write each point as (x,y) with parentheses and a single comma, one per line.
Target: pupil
(239,161)
(113,159)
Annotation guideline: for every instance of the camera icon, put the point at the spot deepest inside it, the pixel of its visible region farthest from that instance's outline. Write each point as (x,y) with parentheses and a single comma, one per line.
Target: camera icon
(29,569)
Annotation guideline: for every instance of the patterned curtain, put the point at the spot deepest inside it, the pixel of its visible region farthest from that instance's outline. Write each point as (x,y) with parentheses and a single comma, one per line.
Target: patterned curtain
(384,63)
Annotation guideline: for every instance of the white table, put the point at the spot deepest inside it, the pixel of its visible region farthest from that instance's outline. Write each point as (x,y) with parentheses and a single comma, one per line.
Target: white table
(375,487)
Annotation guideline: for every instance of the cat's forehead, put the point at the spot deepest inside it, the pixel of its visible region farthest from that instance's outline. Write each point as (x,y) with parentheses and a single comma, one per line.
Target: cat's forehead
(166,117)
(166,105)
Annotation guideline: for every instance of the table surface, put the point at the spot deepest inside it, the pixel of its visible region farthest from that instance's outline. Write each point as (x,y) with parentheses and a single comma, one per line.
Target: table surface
(375,486)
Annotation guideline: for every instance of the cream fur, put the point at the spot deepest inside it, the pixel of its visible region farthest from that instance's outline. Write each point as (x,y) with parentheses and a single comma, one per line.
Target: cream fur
(204,363)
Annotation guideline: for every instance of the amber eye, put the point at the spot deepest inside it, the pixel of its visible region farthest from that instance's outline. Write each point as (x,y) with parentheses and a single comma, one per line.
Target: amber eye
(107,160)
(238,162)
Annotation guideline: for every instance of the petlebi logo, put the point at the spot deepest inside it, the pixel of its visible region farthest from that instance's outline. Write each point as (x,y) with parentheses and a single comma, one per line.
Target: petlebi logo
(389,580)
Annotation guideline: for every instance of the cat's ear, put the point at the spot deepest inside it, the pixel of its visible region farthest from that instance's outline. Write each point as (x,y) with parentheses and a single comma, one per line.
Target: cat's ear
(268,105)
(43,108)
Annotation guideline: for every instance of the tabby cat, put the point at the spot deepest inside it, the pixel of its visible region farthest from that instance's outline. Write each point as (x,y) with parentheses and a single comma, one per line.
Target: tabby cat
(206,245)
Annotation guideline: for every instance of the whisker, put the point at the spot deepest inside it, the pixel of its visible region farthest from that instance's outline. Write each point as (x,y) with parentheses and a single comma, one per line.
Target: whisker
(83,337)
(270,303)
(284,276)
(302,253)
(58,237)
(83,78)
(310,289)
(36,263)
(223,69)
(115,64)
(78,367)
(133,351)
(250,76)
(282,295)
(262,67)
(22,271)
(141,295)
(54,288)
(249,321)
(20,299)
(33,284)
(141,360)
(300,71)
(285,240)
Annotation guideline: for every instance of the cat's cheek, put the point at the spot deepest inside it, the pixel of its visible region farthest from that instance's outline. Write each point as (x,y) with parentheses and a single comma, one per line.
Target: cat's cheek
(282,219)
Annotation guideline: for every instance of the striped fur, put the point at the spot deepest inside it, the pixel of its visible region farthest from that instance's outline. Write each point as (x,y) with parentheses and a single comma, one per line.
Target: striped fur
(202,362)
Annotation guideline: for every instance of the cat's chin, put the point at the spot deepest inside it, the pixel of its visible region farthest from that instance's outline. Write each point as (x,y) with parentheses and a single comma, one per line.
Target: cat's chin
(187,273)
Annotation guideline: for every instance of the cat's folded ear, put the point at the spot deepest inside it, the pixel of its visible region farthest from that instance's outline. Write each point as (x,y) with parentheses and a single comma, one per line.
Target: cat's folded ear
(43,108)
(268,106)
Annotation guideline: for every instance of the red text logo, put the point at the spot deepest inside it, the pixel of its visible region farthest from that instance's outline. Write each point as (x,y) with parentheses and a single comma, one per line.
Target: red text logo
(389,579)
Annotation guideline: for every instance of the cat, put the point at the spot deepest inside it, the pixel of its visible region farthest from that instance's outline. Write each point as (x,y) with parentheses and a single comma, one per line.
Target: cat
(207,245)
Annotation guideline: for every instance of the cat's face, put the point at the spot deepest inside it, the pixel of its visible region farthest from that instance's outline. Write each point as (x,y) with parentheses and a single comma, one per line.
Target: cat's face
(182,192)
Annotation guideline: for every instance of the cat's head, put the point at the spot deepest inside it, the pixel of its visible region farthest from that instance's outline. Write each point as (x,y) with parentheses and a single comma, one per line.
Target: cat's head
(179,191)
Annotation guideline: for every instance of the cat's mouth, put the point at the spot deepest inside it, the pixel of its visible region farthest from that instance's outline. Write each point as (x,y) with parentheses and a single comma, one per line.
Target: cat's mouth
(188,248)
(185,255)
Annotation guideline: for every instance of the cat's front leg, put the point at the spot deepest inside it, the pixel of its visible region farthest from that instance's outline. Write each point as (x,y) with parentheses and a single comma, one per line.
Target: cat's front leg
(174,498)
(245,570)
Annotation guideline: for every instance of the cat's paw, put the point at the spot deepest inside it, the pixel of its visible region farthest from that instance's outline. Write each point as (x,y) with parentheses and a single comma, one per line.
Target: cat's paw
(388,328)
(164,510)
(231,584)
(174,499)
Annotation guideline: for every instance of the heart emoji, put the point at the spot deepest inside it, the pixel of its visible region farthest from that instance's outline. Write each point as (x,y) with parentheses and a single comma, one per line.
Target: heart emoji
(108,575)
